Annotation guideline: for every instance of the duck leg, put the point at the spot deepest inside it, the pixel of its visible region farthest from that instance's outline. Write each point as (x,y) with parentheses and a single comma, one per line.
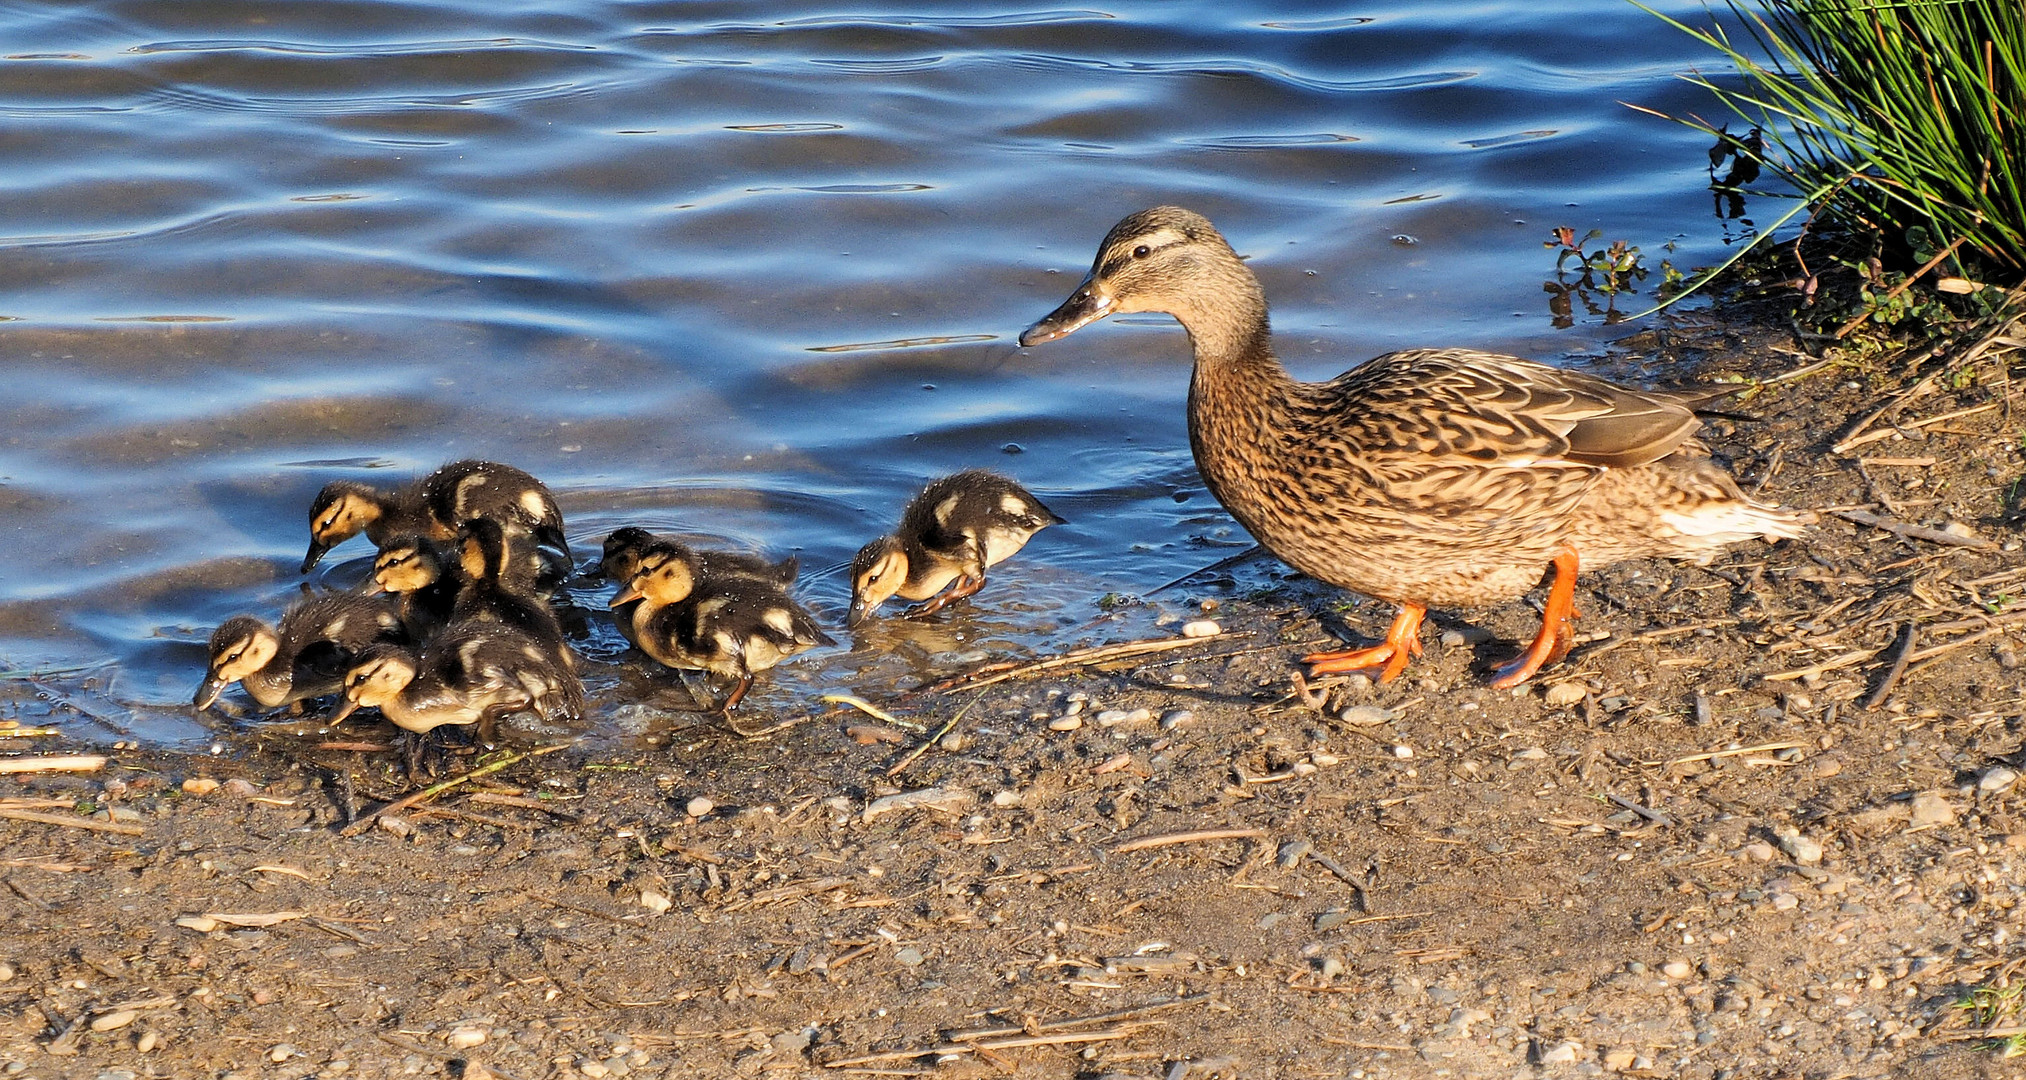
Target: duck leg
(738,694)
(965,586)
(1557,627)
(1403,643)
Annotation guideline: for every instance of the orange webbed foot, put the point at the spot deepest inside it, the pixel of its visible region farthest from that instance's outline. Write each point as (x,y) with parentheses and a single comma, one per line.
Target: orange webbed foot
(1402,643)
(1558,631)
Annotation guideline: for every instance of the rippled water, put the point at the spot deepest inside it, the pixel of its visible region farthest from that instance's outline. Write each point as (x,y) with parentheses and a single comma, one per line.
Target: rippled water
(748,271)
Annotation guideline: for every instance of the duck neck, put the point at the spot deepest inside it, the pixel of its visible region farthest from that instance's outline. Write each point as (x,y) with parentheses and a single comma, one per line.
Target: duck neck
(1238,398)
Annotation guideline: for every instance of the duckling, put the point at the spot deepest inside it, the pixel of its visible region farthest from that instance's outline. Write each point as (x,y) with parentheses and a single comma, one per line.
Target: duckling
(628,545)
(305,657)
(1425,477)
(434,506)
(958,527)
(419,572)
(723,624)
(498,584)
(471,673)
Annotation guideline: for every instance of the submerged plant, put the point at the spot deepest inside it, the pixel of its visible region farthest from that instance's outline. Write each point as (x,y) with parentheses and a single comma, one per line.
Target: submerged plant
(1902,119)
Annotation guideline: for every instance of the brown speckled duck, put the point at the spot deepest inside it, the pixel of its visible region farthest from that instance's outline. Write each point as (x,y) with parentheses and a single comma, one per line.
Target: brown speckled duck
(725,624)
(434,506)
(1429,477)
(957,528)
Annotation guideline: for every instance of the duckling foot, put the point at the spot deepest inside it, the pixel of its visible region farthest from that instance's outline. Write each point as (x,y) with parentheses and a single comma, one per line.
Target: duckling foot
(965,586)
(1557,627)
(1403,643)
(738,694)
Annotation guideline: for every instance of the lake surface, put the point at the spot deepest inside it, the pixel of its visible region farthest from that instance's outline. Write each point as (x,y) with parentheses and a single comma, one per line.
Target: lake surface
(751,272)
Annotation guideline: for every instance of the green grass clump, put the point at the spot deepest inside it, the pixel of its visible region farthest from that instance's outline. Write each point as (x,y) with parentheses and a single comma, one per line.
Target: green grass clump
(1905,119)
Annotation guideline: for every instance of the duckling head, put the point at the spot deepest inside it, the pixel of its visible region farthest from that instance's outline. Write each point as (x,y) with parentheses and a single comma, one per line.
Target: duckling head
(240,646)
(622,553)
(1165,259)
(341,511)
(877,573)
(378,675)
(405,565)
(665,577)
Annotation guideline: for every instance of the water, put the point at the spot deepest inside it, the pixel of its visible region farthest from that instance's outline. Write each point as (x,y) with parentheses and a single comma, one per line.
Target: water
(751,272)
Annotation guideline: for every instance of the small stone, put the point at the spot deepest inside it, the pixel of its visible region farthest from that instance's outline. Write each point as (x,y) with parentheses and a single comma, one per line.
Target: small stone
(464,1038)
(654,897)
(1200,628)
(1530,753)
(148,1040)
(1453,639)
(1293,852)
(596,1070)
(1619,1058)
(1997,778)
(240,788)
(1004,799)
(200,785)
(792,1042)
(951,743)
(1065,723)
(396,826)
(114,1020)
(1175,718)
(1366,715)
(1758,851)
(1331,919)
(1563,694)
(6,972)
(1931,809)
(1403,751)
(1676,969)
(1324,758)
(910,956)
(1112,718)
(1785,901)
(282,1052)
(1805,850)
(1331,967)
(1826,766)
(699,807)
(1562,1053)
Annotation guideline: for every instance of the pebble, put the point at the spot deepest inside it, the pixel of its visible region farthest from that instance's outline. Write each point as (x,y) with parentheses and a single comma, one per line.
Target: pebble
(1065,723)
(1758,851)
(199,785)
(596,1070)
(1562,1053)
(241,788)
(1403,751)
(1175,718)
(464,1038)
(1366,715)
(1112,717)
(939,798)
(1932,809)
(1826,766)
(1619,1059)
(952,742)
(1003,799)
(1805,850)
(1785,901)
(699,807)
(1997,778)
(148,1040)
(395,825)
(1201,628)
(1293,852)
(282,1052)
(1531,753)
(6,972)
(1453,639)
(910,956)
(1563,694)
(114,1020)
(1676,969)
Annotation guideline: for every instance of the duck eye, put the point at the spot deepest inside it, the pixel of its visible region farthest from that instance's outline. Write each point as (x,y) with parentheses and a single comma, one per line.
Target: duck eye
(1142,251)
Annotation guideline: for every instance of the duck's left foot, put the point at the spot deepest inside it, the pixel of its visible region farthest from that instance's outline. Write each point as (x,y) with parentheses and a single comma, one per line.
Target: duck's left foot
(965,586)
(1402,644)
(1558,630)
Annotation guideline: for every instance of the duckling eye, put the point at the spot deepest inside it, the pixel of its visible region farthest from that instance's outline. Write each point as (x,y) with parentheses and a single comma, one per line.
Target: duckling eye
(1142,251)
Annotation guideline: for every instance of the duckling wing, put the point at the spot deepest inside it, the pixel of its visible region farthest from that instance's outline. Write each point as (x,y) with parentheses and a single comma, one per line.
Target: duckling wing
(463,490)
(1495,410)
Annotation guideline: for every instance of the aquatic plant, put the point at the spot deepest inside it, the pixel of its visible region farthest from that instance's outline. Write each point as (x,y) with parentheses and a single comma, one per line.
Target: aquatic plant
(1887,116)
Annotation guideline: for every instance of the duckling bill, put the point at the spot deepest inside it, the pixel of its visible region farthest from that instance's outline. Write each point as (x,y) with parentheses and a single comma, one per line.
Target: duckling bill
(434,507)
(949,535)
(1426,477)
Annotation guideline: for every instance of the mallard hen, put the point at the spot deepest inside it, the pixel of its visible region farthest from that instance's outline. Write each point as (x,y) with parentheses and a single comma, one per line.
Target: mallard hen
(957,528)
(434,506)
(1427,477)
(304,657)
(724,624)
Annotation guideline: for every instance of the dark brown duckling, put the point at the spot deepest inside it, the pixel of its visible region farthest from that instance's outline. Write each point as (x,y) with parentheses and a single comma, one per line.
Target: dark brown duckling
(434,506)
(722,624)
(958,527)
(305,656)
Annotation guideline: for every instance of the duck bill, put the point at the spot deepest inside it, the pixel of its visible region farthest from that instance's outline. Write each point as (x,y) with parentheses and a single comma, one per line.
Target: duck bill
(1086,305)
(345,708)
(624,597)
(315,556)
(208,693)
(371,587)
(859,612)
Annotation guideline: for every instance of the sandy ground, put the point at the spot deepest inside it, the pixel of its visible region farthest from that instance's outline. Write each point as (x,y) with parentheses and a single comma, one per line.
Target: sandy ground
(1694,849)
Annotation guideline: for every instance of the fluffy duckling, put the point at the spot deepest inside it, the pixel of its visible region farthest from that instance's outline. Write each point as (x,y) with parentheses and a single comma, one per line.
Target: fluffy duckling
(625,548)
(723,624)
(471,673)
(305,656)
(434,506)
(498,583)
(419,572)
(953,531)
(1424,477)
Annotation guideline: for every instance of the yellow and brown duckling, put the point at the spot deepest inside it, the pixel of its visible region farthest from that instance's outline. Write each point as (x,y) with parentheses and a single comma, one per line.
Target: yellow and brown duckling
(626,546)
(1427,477)
(434,506)
(420,573)
(956,529)
(499,577)
(728,625)
(471,673)
(305,656)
